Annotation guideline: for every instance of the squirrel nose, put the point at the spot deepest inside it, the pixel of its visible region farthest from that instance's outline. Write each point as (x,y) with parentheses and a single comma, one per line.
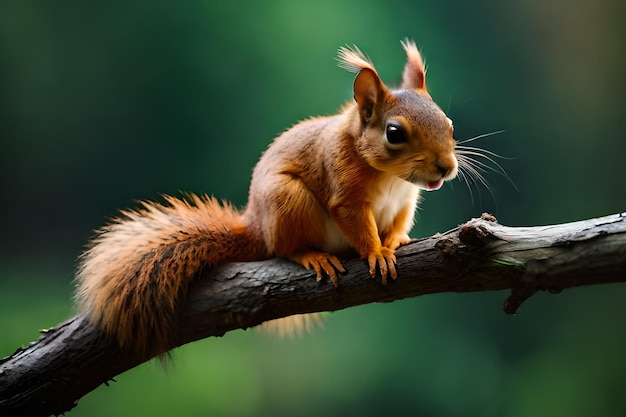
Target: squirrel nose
(446,169)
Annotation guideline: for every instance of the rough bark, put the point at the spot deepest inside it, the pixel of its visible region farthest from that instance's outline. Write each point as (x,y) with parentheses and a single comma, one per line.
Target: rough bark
(53,373)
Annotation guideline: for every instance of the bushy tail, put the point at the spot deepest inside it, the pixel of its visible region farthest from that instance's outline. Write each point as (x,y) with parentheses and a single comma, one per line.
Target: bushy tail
(136,271)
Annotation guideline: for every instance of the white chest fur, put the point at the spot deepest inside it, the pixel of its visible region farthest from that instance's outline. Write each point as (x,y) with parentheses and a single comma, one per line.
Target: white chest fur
(392,196)
(388,199)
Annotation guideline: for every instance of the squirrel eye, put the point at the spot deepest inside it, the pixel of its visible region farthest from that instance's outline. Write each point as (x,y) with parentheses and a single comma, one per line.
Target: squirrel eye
(394,133)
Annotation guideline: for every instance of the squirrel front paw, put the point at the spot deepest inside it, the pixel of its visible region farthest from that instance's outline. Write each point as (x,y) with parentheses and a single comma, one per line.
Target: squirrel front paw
(394,241)
(385,259)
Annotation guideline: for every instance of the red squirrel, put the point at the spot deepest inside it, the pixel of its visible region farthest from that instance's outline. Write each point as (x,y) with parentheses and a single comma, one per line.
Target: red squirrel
(325,187)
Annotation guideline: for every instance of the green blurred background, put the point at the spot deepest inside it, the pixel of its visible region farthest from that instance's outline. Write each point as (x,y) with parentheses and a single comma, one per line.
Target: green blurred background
(104,103)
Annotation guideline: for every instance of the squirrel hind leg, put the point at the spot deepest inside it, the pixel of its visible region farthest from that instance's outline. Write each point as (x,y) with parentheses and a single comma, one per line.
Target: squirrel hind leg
(322,263)
(292,231)
(293,326)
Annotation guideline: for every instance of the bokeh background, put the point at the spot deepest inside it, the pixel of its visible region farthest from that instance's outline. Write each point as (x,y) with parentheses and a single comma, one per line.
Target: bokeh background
(105,103)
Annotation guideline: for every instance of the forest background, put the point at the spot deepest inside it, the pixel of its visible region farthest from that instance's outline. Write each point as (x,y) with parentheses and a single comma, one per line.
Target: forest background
(104,104)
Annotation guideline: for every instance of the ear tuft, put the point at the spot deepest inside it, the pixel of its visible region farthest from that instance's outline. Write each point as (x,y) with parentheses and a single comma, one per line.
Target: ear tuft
(414,75)
(353,60)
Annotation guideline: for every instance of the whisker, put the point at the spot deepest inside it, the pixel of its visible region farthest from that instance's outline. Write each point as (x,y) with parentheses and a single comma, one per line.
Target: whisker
(488,152)
(484,135)
(472,173)
(463,178)
(483,153)
(480,166)
(475,172)
(474,162)
(500,169)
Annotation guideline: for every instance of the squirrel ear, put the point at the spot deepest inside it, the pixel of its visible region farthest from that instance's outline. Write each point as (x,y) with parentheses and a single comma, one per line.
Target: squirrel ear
(368,91)
(368,88)
(414,75)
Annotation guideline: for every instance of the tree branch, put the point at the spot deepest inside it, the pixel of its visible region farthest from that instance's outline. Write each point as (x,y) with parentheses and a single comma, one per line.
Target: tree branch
(67,362)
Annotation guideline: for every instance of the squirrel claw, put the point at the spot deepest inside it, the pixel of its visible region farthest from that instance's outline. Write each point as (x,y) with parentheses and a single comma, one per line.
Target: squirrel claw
(386,261)
(322,264)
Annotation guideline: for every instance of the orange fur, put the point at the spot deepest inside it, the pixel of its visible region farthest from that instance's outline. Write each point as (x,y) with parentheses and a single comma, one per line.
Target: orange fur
(414,74)
(327,187)
(136,270)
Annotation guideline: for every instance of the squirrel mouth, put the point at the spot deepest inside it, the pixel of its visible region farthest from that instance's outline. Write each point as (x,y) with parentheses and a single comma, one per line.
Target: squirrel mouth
(434,185)
(425,185)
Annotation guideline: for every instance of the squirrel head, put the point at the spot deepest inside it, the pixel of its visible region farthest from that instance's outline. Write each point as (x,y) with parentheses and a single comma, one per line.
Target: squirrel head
(402,132)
